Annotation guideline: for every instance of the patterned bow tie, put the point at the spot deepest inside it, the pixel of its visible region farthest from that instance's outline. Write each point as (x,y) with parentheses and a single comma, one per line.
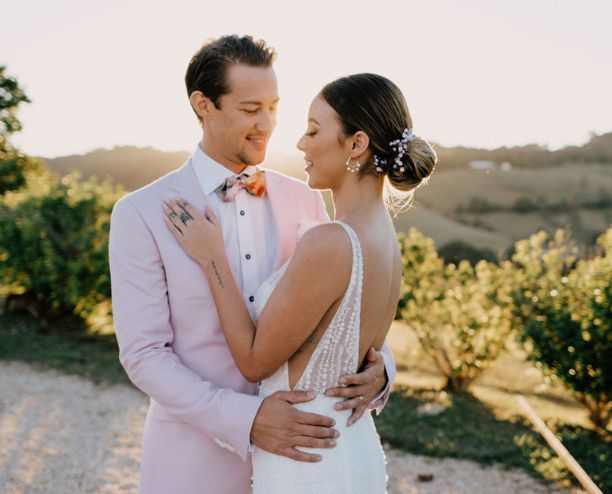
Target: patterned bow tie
(254,184)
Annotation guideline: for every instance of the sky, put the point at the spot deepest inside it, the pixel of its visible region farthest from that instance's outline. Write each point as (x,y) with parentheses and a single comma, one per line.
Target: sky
(476,73)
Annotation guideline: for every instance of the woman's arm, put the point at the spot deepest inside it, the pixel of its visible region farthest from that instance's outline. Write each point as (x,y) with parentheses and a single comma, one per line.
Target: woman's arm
(316,277)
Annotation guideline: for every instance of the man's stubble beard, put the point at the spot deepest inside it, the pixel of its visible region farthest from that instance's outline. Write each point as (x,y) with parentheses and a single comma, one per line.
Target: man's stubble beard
(244,159)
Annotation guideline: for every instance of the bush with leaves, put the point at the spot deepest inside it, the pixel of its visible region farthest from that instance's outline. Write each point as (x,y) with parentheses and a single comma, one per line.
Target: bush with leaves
(53,244)
(564,308)
(460,314)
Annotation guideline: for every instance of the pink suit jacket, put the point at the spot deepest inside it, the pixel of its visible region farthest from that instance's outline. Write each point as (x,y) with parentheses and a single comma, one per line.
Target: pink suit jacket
(197,429)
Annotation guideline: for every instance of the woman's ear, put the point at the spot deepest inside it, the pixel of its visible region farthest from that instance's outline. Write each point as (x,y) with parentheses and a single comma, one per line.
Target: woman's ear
(360,145)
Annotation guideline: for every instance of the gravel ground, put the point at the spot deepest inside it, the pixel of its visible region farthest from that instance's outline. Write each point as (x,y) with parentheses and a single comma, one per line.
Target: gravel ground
(63,434)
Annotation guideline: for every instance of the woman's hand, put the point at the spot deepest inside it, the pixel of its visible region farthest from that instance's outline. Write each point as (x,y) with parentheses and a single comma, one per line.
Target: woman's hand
(199,234)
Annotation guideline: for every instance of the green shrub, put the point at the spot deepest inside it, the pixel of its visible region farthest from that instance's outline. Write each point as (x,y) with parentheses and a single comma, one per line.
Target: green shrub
(53,244)
(563,306)
(460,314)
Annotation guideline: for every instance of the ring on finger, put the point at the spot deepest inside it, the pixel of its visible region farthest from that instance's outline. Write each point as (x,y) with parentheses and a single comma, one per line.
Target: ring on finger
(185,217)
(172,215)
(361,398)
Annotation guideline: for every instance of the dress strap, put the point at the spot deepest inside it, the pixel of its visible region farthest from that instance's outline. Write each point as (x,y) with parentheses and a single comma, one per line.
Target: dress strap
(355,287)
(356,244)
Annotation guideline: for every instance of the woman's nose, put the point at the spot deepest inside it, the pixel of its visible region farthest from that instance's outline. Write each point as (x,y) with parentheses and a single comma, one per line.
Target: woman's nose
(300,144)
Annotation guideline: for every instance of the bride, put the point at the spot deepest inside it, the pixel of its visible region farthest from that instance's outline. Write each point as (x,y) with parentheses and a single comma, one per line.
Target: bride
(320,313)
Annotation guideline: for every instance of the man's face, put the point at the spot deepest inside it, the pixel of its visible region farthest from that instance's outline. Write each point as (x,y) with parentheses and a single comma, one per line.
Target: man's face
(237,132)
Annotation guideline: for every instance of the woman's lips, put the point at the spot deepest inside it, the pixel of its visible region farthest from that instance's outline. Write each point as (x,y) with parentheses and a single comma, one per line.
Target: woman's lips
(308,164)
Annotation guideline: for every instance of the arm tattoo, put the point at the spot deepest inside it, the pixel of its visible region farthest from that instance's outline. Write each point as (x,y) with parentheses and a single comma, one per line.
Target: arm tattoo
(219,280)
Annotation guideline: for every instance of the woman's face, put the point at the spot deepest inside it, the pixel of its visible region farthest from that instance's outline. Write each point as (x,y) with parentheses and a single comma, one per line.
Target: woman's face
(325,149)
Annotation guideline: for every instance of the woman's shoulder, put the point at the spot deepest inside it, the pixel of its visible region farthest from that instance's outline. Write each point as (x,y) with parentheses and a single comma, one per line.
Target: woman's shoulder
(323,254)
(328,241)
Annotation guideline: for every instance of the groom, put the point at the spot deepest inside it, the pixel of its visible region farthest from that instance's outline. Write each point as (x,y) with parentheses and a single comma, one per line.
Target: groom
(204,416)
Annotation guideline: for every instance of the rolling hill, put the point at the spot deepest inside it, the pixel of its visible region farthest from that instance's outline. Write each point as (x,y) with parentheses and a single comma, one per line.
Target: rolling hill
(488,208)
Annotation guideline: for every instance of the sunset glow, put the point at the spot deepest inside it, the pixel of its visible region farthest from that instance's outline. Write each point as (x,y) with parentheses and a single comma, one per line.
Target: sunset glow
(474,73)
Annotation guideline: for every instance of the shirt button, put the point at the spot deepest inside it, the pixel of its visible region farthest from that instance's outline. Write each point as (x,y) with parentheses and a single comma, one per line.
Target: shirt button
(242,212)
(248,256)
(251,299)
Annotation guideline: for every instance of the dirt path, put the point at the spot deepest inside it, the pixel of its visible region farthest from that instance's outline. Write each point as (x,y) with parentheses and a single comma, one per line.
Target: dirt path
(62,434)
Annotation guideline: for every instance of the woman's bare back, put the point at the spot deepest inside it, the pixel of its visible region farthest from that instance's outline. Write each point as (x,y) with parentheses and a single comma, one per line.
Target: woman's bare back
(380,290)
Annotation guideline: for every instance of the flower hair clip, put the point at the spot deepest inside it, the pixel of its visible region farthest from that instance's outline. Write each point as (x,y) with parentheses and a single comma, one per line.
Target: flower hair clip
(399,146)
(380,164)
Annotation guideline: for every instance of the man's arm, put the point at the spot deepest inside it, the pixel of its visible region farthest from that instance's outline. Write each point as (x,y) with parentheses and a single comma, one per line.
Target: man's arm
(145,334)
(381,399)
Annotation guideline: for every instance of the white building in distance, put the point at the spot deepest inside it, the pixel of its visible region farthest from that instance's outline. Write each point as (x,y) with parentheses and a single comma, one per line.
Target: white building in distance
(482,165)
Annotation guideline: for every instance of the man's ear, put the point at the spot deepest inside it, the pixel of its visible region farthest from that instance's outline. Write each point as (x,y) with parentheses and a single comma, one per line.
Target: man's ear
(360,145)
(202,105)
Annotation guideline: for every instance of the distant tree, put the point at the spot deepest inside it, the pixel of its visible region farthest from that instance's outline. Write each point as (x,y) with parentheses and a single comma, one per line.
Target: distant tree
(11,95)
(478,205)
(597,150)
(524,205)
(458,250)
(13,164)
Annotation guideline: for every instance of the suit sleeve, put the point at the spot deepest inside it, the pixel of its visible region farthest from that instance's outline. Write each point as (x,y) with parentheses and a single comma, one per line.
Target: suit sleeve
(381,400)
(144,332)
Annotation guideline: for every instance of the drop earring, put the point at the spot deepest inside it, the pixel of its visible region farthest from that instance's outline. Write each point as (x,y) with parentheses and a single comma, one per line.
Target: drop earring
(352,168)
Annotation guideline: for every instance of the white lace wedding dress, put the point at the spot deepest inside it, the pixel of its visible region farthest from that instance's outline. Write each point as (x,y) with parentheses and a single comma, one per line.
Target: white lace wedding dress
(357,463)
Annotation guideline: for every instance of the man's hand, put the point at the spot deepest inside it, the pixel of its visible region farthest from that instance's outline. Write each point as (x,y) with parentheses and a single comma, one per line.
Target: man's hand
(361,389)
(280,428)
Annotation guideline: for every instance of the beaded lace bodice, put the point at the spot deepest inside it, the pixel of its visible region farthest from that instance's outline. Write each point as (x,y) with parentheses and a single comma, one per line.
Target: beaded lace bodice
(337,352)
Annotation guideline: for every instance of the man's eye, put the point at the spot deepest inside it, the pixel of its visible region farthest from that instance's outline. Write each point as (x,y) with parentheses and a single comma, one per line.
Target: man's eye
(310,134)
(250,112)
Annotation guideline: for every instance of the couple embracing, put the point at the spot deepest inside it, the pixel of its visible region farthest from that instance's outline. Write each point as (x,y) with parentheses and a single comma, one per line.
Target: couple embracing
(255,324)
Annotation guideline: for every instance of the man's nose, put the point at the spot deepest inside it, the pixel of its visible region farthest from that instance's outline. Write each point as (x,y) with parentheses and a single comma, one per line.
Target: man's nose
(266,122)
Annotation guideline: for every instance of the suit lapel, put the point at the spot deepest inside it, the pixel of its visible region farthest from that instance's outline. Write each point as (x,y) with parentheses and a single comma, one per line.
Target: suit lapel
(283,208)
(185,185)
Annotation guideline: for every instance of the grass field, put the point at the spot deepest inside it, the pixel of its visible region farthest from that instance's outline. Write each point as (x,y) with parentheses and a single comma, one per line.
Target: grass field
(485,426)
(64,347)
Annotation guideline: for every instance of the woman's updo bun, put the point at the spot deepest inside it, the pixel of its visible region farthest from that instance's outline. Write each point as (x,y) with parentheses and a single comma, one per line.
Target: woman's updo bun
(419,162)
(375,105)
